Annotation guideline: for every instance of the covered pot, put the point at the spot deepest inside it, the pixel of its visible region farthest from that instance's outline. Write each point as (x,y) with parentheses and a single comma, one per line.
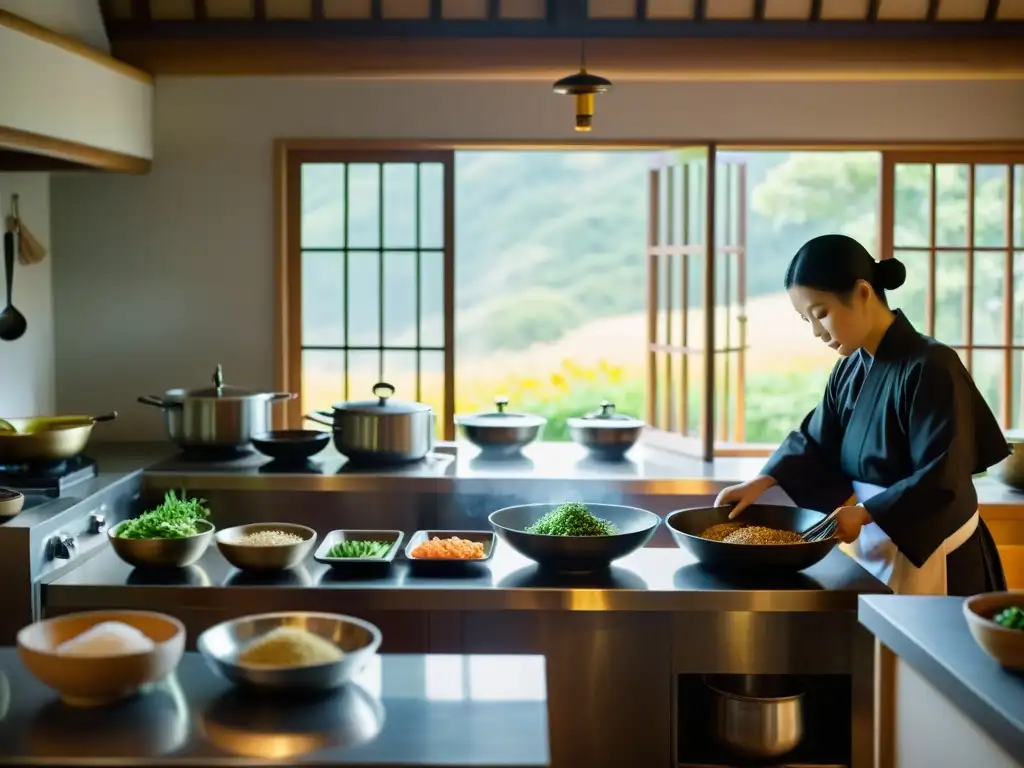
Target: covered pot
(221,417)
(605,433)
(382,430)
(501,433)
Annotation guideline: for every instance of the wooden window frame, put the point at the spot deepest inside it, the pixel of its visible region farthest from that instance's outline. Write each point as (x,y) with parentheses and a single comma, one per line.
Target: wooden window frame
(289,159)
(889,248)
(289,154)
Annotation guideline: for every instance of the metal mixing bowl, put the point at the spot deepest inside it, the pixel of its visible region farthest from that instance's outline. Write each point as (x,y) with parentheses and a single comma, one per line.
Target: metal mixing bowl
(275,557)
(575,553)
(162,553)
(220,645)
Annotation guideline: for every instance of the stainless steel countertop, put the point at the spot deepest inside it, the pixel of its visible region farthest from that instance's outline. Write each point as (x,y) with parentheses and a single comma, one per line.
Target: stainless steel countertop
(406,711)
(652,579)
(646,471)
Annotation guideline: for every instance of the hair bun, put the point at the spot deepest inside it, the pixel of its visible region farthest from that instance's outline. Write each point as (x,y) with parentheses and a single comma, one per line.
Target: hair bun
(891,273)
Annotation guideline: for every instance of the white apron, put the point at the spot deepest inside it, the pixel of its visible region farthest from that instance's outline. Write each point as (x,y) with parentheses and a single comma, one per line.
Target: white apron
(878,555)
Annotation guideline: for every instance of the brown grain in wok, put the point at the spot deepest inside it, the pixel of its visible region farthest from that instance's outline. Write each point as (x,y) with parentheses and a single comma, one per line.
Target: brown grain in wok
(719,531)
(738,533)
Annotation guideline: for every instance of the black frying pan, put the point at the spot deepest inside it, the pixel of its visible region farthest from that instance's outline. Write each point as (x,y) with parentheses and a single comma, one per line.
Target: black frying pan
(685,526)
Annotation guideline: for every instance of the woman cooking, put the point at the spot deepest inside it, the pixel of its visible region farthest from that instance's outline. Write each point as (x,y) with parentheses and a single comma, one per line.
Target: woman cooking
(901,427)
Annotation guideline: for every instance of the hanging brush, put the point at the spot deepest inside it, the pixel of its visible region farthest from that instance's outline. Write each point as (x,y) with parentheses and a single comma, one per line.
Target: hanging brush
(30,250)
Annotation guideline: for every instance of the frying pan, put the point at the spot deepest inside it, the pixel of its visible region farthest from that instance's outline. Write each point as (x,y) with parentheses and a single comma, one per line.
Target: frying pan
(685,525)
(46,438)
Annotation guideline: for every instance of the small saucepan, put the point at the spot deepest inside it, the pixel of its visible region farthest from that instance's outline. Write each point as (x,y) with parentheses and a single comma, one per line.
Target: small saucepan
(606,434)
(382,430)
(501,433)
(41,439)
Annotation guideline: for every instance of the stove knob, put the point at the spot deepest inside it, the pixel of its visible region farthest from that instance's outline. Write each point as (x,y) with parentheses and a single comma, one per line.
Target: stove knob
(97,523)
(61,547)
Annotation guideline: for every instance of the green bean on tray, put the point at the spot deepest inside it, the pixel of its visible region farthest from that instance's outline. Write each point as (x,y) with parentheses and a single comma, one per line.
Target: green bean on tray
(360,549)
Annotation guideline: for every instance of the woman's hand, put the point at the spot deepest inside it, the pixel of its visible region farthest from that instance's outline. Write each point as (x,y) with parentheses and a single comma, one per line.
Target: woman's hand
(849,521)
(744,494)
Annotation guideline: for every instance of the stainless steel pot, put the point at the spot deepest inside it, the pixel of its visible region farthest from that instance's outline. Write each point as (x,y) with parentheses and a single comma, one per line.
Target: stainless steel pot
(501,434)
(757,716)
(380,431)
(605,433)
(1010,471)
(218,417)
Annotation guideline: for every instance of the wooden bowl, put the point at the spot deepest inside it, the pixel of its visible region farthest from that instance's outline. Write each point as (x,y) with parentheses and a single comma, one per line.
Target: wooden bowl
(1001,643)
(278,557)
(92,680)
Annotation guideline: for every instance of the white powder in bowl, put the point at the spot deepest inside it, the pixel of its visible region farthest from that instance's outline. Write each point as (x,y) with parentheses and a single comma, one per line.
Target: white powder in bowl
(108,638)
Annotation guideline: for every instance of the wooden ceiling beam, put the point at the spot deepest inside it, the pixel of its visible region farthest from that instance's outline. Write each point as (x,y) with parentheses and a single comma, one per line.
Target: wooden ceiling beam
(622,59)
(565,25)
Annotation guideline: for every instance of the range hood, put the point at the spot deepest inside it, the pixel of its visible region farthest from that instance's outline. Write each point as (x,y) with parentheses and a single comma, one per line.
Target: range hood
(64,104)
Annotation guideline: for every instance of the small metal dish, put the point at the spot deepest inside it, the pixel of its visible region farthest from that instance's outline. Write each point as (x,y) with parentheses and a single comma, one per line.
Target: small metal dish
(11,503)
(394,538)
(275,557)
(162,553)
(221,645)
(487,538)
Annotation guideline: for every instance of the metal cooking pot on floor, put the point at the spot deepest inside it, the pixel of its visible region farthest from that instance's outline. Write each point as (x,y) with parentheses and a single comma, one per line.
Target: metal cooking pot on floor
(757,716)
(500,434)
(605,433)
(46,439)
(380,431)
(220,417)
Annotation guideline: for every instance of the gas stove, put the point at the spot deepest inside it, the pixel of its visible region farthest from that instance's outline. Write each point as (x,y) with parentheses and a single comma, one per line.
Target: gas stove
(50,480)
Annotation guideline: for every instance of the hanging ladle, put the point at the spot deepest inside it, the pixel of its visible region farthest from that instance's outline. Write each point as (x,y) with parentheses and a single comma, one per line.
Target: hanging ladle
(12,323)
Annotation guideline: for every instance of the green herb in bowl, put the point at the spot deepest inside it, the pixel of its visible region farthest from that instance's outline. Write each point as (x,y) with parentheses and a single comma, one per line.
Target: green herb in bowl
(572,519)
(360,549)
(1011,617)
(175,518)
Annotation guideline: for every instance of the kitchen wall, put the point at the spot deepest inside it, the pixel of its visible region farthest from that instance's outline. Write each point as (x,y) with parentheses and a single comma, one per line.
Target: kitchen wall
(166,275)
(27,365)
(78,19)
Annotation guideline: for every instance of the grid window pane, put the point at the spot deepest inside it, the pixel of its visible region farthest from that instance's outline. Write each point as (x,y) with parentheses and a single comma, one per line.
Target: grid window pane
(373,281)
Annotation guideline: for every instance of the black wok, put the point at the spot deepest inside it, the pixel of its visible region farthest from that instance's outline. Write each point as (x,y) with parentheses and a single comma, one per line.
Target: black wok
(685,526)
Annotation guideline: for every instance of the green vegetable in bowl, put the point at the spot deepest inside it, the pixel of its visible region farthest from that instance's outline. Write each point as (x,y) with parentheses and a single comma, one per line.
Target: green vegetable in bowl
(352,549)
(572,519)
(174,519)
(1011,618)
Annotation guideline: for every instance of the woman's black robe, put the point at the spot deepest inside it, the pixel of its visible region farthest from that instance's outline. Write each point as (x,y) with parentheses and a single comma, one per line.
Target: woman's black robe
(909,420)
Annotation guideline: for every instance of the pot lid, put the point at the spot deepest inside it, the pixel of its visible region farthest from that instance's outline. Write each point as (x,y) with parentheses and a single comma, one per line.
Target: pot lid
(219,390)
(383,404)
(501,417)
(605,417)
